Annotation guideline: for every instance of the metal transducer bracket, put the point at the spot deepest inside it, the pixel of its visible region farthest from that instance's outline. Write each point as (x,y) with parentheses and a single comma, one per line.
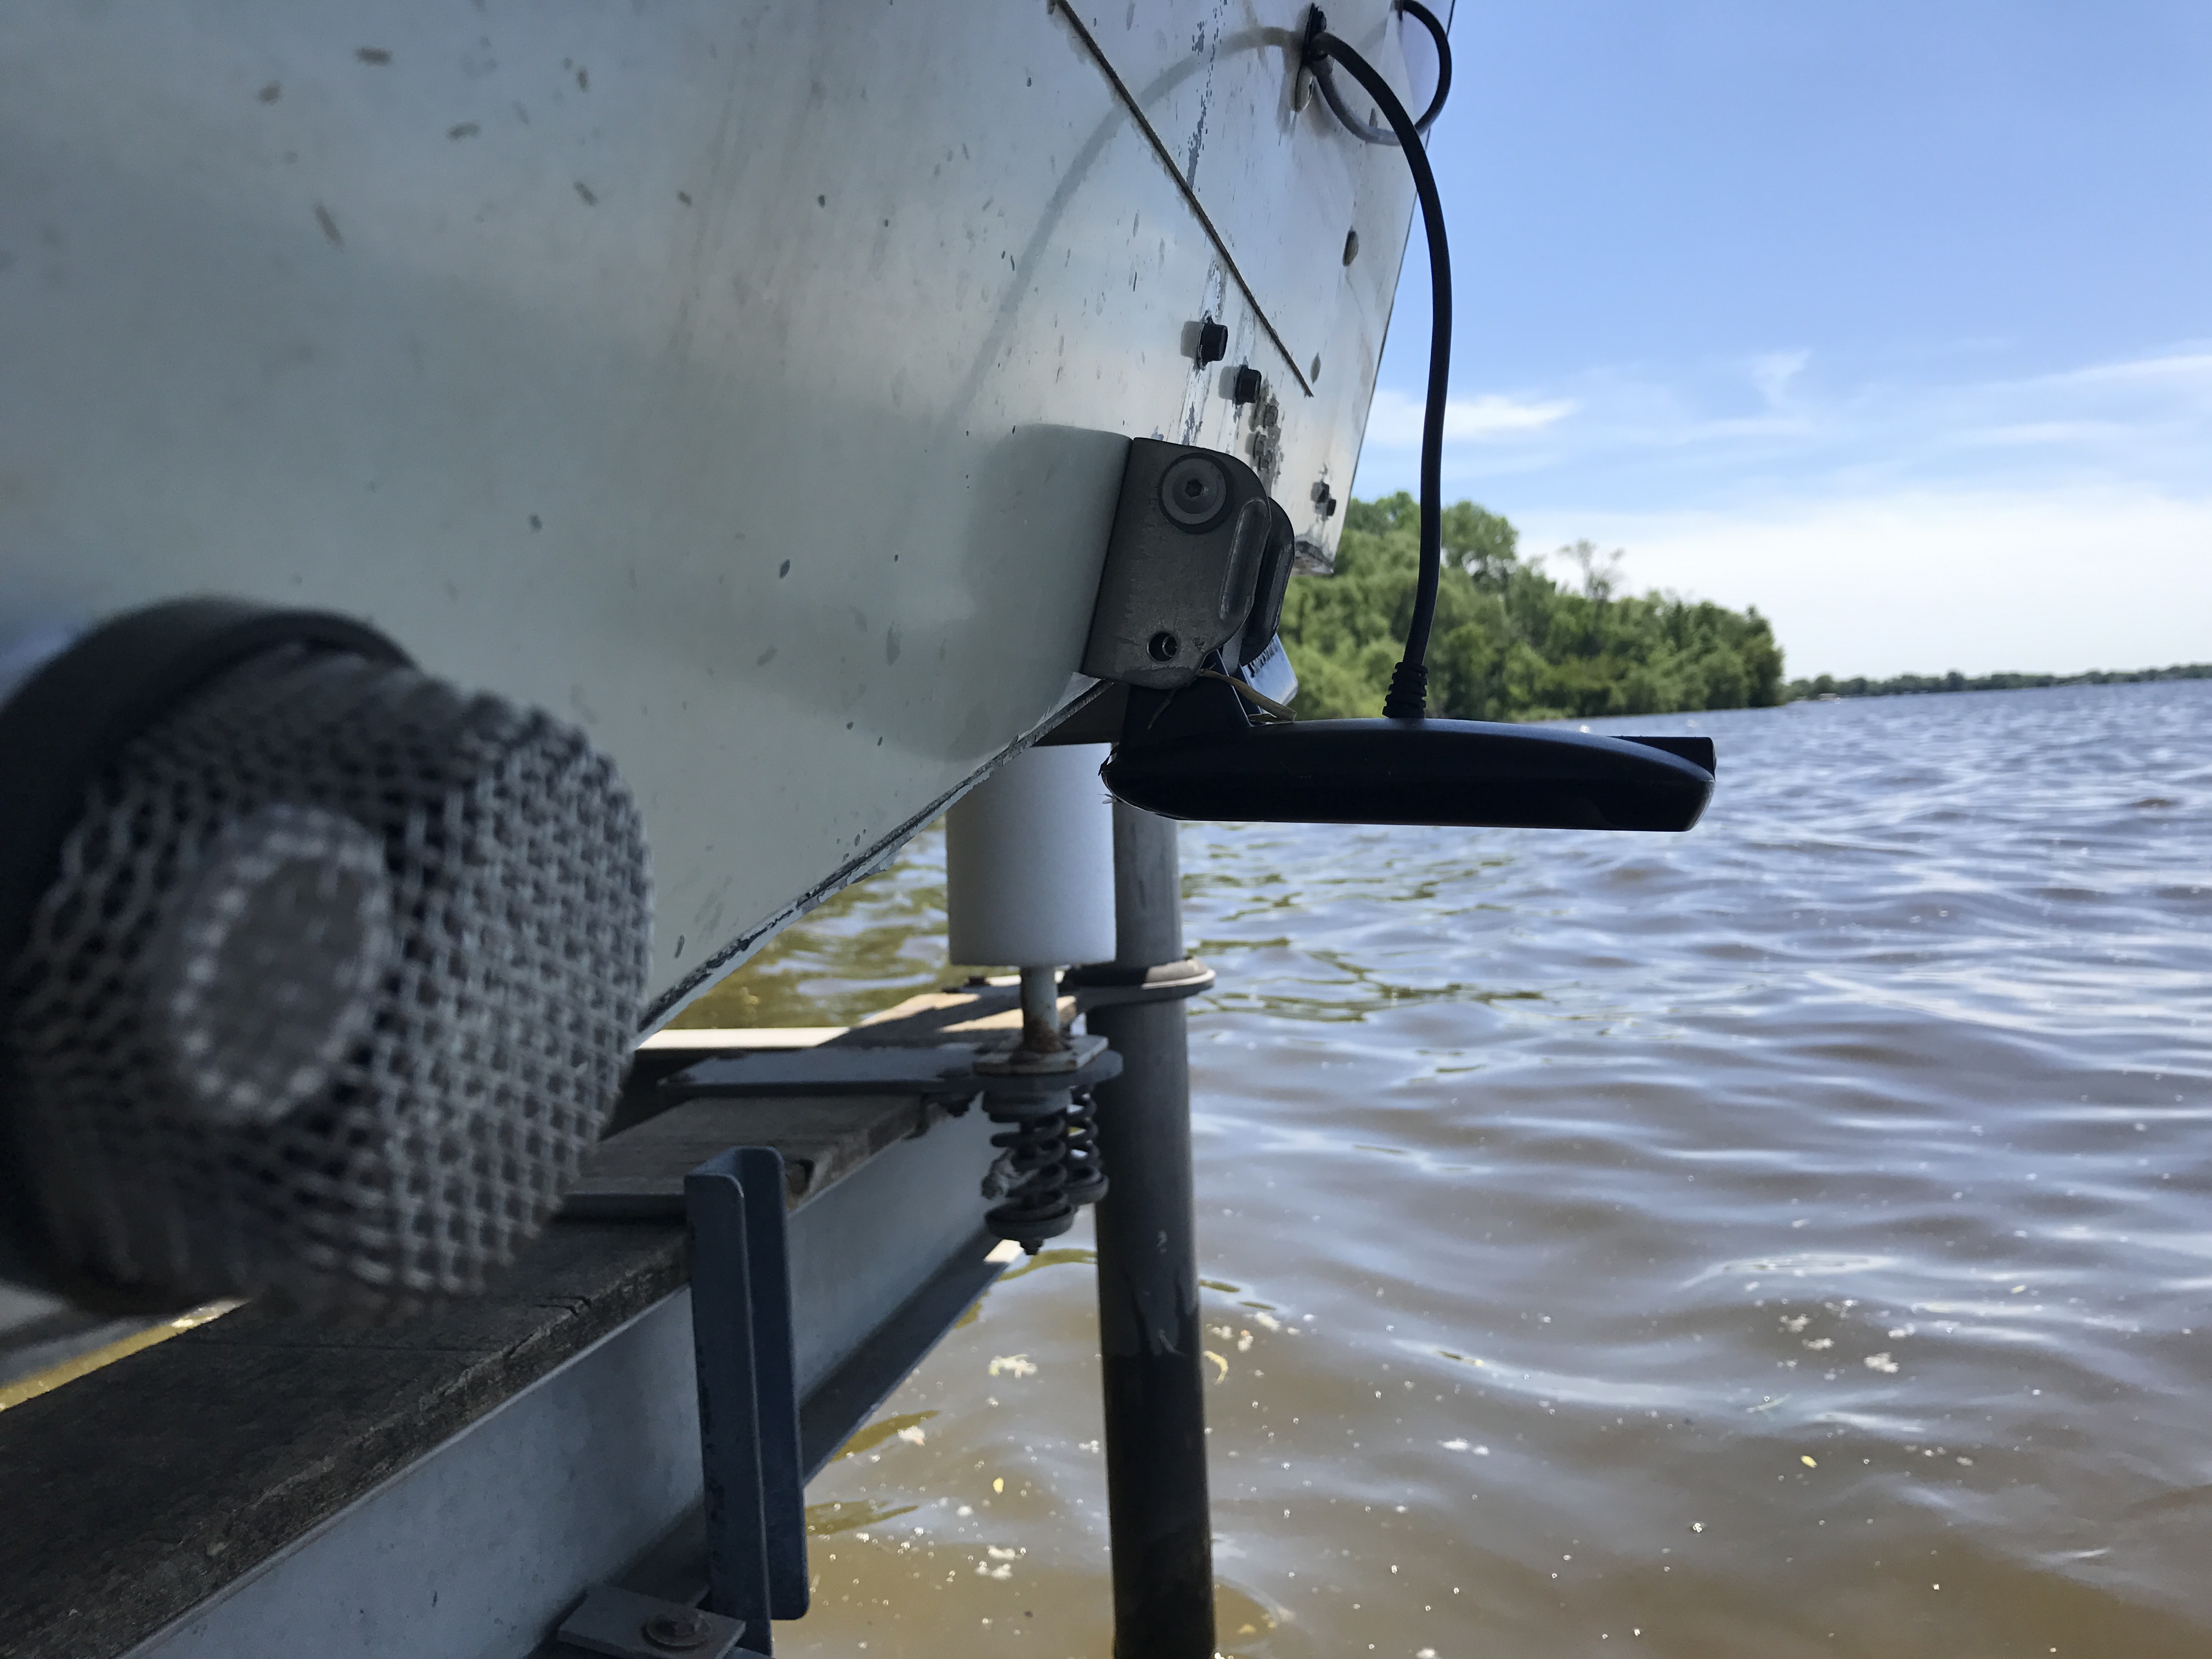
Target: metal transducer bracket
(1197,562)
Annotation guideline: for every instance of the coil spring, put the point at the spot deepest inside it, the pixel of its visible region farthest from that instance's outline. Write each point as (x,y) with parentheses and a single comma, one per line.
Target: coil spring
(1086,1172)
(1031,1171)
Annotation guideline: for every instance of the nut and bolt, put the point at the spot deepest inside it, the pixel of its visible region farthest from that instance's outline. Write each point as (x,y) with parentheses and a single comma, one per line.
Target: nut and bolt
(1247,386)
(679,1630)
(1213,341)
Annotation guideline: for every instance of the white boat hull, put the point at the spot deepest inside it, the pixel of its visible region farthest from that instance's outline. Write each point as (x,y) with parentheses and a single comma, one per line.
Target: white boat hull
(747,384)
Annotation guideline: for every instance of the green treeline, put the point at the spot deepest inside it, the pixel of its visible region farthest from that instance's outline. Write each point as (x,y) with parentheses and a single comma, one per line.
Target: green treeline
(1905,685)
(1510,643)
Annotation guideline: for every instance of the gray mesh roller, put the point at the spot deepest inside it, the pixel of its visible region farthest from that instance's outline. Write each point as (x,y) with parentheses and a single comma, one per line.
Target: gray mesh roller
(330,991)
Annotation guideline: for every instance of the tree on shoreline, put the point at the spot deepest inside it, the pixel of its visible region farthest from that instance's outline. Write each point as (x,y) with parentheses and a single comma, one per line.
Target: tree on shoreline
(1914,686)
(1510,643)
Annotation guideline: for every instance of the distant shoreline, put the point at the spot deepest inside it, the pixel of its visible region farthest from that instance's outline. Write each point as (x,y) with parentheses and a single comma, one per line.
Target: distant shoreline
(1827,686)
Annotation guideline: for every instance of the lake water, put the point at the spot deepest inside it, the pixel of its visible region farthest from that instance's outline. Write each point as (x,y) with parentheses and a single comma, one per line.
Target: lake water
(1790,1238)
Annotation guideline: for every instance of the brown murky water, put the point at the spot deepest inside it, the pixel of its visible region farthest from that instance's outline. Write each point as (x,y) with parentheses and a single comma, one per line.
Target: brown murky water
(1790,1238)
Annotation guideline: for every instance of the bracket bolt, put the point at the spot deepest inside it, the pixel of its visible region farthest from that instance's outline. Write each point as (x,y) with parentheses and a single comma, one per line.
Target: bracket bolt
(1213,341)
(1247,386)
(679,1632)
(1194,492)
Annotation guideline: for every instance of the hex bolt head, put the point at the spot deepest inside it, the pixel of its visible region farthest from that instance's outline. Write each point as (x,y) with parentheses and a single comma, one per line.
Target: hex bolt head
(1213,341)
(679,1632)
(1248,386)
(1324,498)
(1165,646)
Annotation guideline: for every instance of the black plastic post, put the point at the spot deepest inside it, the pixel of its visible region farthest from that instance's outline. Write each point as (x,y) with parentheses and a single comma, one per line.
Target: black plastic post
(1148,1313)
(741,1331)
(729,1405)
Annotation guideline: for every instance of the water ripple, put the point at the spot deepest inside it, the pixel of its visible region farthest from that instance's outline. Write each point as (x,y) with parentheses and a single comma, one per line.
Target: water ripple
(1808,1214)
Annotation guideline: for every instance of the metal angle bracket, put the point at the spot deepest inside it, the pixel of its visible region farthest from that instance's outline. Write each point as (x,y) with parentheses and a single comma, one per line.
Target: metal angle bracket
(628,1626)
(741,1328)
(1196,562)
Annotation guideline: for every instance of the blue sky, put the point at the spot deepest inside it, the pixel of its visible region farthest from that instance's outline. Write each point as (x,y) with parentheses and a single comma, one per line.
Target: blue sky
(1893,320)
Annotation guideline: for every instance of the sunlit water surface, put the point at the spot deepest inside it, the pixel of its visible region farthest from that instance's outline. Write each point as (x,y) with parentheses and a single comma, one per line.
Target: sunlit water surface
(1793,1237)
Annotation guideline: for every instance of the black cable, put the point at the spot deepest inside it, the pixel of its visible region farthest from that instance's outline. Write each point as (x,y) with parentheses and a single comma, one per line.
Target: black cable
(1408,697)
(1435,25)
(1327,81)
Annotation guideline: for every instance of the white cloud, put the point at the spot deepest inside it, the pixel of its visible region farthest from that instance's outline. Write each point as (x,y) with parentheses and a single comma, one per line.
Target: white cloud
(2190,369)
(2048,523)
(2054,581)
(1699,432)
(1395,421)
